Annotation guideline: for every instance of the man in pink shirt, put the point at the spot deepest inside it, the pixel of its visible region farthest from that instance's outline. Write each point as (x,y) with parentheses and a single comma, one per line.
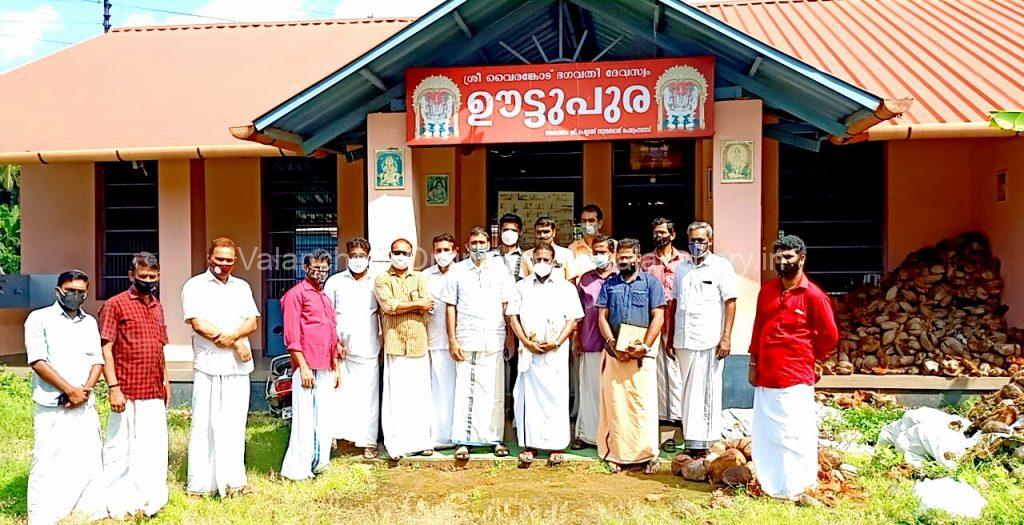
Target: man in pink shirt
(311,337)
(661,264)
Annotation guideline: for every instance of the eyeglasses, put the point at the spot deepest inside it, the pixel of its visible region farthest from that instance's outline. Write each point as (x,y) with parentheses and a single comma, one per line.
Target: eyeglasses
(400,252)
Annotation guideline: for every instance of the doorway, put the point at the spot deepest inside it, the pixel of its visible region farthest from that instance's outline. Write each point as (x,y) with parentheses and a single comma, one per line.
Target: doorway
(652,179)
(535,180)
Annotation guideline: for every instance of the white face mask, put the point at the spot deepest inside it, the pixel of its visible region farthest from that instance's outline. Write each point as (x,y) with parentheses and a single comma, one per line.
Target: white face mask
(358,264)
(509,237)
(542,269)
(600,260)
(443,259)
(590,230)
(400,262)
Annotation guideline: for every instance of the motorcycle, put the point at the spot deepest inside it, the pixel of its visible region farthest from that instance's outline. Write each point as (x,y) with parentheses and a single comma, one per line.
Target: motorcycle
(279,387)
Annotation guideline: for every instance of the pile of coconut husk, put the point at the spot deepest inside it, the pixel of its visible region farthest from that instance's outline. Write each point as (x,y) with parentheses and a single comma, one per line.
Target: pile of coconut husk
(1000,419)
(730,464)
(857,398)
(939,313)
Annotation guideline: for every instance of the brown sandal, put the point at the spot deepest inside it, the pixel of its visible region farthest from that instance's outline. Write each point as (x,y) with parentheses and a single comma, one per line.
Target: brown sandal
(556,458)
(526,458)
(614,468)
(370,453)
(578,444)
(652,467)
(462,453)
(500,450)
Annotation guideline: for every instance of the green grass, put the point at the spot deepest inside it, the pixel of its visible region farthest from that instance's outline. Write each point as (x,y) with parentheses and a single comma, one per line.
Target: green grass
(352,492)
(861,424)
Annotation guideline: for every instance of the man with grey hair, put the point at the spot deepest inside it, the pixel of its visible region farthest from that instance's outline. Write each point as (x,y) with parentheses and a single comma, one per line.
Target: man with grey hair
(705,291)
(133,332)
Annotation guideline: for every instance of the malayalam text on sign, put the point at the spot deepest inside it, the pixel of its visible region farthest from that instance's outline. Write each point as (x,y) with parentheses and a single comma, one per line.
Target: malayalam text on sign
(640,99)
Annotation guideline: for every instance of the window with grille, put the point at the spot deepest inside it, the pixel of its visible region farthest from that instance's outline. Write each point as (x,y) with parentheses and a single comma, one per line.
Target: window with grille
(127,220)
(300,206)
(834,200)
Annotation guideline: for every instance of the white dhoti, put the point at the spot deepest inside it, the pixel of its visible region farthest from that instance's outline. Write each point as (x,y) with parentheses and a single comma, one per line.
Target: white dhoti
(670,389)
(589,397)
(216,444)
(358,401)
(407,414)
(785,440)
(478,417)
(309,445)
(541,397)
(442,381)
(701,372)
(66,476)
(135,459)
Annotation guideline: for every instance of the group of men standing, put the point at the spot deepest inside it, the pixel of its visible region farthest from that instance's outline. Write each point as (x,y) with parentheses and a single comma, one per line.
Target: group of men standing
(640,337)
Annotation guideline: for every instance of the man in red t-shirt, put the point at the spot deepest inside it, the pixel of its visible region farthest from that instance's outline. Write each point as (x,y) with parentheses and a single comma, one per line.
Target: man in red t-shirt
(793,327)
(134,333)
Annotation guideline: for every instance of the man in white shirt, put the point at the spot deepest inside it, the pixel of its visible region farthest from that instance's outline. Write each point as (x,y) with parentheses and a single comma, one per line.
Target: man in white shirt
(62,345)
(476,296)
(355,309)
(543,314)
(442,366)
(545,232)
(705,292)
(222,313)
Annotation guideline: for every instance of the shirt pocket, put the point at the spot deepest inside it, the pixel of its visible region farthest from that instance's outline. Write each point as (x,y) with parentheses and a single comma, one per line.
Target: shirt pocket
(638,298)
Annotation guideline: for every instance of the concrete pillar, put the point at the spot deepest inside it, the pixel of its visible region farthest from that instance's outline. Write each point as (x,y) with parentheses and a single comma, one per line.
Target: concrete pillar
(433,220)
(391,214)
(175,248)
(736,210)
(471,191)
(351,200)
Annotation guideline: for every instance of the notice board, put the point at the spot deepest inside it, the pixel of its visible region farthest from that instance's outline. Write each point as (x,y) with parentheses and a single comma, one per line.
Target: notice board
(530,205)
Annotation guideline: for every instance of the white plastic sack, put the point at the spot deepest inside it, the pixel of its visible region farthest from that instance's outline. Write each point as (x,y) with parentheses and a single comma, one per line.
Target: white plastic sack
(737,423)
(946,494)
(926,433)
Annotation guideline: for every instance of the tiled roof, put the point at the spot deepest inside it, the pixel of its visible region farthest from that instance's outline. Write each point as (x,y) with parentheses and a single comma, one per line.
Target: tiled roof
(958,59)
(172,86)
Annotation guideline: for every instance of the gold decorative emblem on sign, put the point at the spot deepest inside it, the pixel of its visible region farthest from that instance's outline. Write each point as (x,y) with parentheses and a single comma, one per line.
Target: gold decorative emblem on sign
(436,101)
(681,93)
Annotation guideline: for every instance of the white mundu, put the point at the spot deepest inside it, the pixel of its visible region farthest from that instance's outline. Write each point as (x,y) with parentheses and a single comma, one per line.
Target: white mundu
(442,366)
(220,388)
(358,396)
(66,475)
(478,293)
(135,458)
(701,291)
(785,437)
(541,391)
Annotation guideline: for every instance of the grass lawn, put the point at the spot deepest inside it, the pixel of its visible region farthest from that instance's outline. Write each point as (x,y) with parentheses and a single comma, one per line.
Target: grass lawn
(353,492)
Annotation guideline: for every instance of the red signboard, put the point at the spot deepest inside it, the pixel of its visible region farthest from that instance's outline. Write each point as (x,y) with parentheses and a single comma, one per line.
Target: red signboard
(636,99)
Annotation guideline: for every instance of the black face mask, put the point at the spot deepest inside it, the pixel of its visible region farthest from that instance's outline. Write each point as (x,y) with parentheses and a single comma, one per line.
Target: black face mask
(146,287)
(662,241)
(627,269)
(787,270)
(71,301)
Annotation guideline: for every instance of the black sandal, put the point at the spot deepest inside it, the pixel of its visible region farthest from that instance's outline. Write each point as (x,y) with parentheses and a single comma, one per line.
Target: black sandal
(578,444)
(500,450)
(669,445)
(556,458)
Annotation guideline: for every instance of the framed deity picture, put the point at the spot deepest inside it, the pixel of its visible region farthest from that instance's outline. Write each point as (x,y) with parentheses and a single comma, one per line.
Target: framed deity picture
(737,161)
(438,190)
(389,166)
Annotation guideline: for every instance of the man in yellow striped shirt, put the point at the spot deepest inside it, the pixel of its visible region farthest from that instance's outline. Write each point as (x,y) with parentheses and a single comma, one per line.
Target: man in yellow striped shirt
(407,411)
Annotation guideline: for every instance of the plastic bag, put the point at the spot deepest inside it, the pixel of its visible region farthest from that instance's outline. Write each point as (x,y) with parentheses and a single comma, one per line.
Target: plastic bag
(947,494)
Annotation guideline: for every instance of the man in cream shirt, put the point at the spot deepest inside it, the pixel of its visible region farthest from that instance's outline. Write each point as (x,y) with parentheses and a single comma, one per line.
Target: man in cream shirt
(222,313)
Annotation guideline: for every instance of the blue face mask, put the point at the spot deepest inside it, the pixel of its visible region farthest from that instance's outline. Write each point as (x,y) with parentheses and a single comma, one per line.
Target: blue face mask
(698,249)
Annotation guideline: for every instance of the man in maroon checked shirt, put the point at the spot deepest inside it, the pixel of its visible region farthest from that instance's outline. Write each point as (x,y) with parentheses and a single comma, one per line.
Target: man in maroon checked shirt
(134,333)
(793,327)
(311,335)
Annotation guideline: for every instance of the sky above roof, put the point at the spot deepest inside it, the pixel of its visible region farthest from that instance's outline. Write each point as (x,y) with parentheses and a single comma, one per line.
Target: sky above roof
(31,29)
